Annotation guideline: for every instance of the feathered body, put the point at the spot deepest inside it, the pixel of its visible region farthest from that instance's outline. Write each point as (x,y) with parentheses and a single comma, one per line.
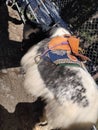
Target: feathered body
(70,92)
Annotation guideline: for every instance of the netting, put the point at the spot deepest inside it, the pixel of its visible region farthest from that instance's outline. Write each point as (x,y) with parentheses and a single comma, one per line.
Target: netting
(89,33)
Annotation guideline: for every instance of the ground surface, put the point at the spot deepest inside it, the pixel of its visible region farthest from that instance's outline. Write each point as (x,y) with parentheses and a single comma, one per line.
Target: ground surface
(17,110)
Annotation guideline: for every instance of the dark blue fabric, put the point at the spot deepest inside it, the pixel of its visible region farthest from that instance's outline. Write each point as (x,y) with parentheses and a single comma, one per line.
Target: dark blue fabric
(56,56)
(44,13)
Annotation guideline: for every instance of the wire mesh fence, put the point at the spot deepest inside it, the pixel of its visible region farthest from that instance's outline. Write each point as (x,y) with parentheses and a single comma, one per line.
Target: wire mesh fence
(89,34)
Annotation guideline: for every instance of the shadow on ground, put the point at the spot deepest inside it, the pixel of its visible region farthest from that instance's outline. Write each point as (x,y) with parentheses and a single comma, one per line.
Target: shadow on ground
(10,51)
(25,117)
